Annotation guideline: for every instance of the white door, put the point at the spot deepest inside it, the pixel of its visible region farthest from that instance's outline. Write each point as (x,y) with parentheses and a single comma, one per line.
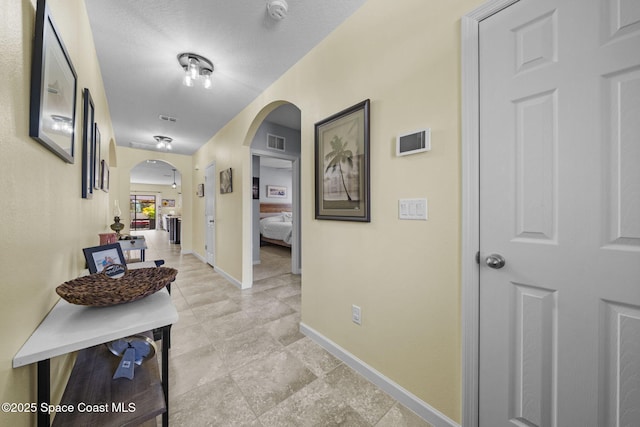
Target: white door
(560,202)
(210,212)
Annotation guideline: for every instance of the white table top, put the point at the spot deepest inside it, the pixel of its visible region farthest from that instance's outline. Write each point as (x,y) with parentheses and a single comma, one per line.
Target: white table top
(69,327)
(133,244)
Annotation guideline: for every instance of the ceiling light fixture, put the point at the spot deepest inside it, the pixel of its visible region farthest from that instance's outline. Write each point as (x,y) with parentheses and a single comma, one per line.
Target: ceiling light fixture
(174,185)
(163,142)
(195,67)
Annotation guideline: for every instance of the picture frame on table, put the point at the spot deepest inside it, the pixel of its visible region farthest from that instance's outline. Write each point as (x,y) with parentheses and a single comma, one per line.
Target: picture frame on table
(52,111)
(342,165)
(88,137)
(99,257)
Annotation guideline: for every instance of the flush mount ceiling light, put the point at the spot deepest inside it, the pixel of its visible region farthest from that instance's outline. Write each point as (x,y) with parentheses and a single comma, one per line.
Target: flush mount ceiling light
(163,142)
(195,67)
(277,9)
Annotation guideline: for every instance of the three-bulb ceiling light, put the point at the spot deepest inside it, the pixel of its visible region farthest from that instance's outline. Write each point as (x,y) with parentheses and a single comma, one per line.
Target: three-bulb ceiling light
(163,142)
(196,67)
(174,185)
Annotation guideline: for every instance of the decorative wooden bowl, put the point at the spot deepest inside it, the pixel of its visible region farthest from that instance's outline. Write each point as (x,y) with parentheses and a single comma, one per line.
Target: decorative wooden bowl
(100,290)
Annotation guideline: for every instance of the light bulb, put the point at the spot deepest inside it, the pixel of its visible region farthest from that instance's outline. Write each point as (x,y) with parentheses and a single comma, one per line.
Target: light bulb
(188,81)
(168,146)
(193,70)
(160,145)
(174,185)
(207,81)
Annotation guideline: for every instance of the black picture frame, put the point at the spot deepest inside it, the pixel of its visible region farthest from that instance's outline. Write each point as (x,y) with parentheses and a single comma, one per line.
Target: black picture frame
(98,257)
(52,111)
(96,158)
(342,165)
(256,188)
(88,138)
(104,174)
(226,181)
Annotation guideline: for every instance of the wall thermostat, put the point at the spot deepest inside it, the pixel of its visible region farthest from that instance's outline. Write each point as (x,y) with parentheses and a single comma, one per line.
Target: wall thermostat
(414,142)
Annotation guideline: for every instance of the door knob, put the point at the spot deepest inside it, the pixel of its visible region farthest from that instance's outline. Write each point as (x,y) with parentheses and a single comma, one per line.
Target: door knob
(495,261)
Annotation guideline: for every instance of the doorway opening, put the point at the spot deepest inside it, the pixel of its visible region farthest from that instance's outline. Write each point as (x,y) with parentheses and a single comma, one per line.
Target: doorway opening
(142,210)
(275,150)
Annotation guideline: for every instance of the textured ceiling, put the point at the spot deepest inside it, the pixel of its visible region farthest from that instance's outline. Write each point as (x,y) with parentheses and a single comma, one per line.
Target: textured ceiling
(137,43)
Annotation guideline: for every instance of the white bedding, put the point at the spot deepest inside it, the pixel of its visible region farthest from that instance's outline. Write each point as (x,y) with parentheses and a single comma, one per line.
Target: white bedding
(275,228)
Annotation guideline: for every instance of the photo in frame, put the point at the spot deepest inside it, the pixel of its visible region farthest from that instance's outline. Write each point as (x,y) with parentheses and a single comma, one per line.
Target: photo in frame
(169,203)
(277,191)
(88,119)
(200,191)
(226,183)
(255,189)
(99,257)
(342,161)
(96,157)
(52,111)
(104,173)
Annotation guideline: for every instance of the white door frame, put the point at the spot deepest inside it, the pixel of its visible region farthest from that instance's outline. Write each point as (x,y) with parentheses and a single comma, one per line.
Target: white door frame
(296,241)
(471,206)
(207,196)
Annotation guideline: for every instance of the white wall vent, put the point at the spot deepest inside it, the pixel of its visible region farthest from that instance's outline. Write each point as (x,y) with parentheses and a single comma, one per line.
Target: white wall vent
(275,142)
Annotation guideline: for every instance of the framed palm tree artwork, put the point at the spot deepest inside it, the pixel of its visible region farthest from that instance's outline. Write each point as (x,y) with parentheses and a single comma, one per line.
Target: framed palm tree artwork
(342,178)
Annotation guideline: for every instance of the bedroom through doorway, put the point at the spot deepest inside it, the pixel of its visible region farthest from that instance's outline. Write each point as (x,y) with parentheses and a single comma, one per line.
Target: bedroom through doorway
(276,233)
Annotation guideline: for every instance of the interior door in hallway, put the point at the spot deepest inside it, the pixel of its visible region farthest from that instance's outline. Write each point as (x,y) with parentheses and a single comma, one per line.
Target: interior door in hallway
(210,212)
(560,214)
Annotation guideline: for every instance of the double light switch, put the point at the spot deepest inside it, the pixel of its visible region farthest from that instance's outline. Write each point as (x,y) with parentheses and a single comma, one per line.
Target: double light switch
(413,209)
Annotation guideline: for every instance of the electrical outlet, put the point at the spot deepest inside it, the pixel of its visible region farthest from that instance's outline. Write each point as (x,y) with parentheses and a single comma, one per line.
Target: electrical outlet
(356,314)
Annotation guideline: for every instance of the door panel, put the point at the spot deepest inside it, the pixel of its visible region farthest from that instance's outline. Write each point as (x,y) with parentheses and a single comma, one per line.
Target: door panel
(210,213)
(560,201)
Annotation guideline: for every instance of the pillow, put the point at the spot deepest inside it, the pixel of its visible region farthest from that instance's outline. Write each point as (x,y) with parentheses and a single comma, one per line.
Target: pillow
(287,216)
(275,218)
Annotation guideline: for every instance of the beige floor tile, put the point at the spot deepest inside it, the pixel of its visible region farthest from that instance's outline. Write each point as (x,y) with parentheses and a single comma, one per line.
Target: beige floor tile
(239,354)
(272,379)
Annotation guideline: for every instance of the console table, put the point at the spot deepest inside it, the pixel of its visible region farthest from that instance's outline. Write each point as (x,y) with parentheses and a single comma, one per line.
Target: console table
(69,327)
(137,244)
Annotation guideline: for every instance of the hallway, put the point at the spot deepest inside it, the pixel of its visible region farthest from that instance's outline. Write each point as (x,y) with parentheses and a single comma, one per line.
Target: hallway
(238,358)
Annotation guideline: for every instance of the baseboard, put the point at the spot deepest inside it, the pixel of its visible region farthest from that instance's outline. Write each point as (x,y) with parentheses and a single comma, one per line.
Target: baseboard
(230,278)
(425,411)
(197,255)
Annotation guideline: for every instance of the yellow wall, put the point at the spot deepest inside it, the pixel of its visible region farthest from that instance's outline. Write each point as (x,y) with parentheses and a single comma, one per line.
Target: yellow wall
(405,275)
(45,222)
(404,56)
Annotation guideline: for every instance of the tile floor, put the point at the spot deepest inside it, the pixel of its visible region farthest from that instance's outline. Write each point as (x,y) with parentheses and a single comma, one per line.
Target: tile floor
(238,358)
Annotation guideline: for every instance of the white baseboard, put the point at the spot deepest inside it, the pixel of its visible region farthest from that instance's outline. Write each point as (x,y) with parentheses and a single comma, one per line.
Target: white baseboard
(425,411)
(197,255)
(230,278)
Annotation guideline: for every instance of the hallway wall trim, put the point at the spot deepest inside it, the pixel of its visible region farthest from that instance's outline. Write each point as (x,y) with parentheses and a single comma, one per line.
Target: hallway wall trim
(218,270)
(425,411)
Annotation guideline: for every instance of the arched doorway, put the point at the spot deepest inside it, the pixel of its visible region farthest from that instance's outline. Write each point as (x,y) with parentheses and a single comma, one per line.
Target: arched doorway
(275,196)
(155,195)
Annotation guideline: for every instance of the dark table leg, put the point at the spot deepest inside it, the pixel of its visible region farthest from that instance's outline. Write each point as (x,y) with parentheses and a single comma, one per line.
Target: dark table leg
(166,336)
(44,370)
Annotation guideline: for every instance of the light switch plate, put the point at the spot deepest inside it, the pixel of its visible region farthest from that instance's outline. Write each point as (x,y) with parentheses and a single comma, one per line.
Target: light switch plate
(413,209)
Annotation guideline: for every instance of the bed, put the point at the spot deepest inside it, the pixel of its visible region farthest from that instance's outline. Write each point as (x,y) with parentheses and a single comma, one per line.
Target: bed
(276,224)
